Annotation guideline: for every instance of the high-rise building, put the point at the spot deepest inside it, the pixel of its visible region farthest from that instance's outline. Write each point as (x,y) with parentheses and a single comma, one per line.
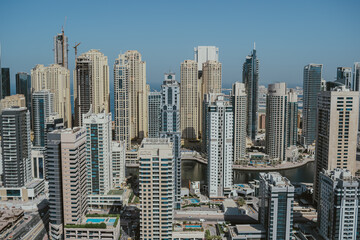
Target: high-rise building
(131,100)
(338,210)
(203,54)
(292,118)
(91,84)
(311,88)
(56,79)
(66,156)
(11,101)
(189,100)
(61,49)
(23,86)
(98,152)
(337,124)
(5,82)
(42,107)
(251,80)
(276,121)
(118,151)
(38,162)
(238,100)
(356,77)
(343,75)
(154,114)
(170,126)
(276,205)
(16,146)
(156,187)
(219,142)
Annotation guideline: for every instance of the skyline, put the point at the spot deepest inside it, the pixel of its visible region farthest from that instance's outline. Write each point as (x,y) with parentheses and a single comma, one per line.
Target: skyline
(156,31)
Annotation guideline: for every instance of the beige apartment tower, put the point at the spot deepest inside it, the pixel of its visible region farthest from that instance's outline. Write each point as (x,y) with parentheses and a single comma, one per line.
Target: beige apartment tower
(336,136)
(66,156)
(189,100)
(156,174)
(56,79)
(91,84)
(238,100)
(131,101)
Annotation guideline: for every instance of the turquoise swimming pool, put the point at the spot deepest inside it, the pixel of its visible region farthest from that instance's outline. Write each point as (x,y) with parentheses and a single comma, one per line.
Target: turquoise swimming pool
(112,220)
(192,226)
(95,220)
(194,200)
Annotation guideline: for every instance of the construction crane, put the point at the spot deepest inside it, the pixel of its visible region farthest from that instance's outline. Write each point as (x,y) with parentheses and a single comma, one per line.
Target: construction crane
(75,47)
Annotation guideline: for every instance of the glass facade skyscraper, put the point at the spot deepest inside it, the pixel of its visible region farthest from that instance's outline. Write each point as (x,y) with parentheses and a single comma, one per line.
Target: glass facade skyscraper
(251,81)
(311,88)
(5,82)
(23,86)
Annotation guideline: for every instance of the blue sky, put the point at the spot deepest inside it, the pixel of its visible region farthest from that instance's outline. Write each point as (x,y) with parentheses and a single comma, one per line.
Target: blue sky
(288,34)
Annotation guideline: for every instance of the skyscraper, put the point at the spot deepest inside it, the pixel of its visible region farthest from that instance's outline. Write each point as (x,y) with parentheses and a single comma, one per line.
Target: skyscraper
(131,100)
(356,77)
(337,124)
(16,146)
(219,143)
(338,209)
(276,205)
(5,82)
(292,119)
(43,107)
(23,86)
(56,79)
(311,88)
(61,49)
(154,114)
(189,100)
(238,100)
(156,187)
(98,152)
(91,84)
(170,126)
(251,81)
(343,75)
(205,53)
(118,151)
(66,155)
(276,121)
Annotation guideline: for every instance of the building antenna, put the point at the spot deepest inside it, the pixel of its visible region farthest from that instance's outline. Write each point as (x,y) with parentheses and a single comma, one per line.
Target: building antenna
(254,45)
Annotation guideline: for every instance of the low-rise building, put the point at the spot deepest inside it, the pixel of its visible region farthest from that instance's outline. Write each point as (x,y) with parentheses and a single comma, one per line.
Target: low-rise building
(247,232)
(29,192)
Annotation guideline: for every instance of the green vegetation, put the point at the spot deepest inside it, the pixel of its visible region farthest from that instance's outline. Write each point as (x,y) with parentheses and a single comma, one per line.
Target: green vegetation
(115,192)
(87,225)
(137,200)
(131,197)
(209,237)
(241,202)
(193,229)
(116,221)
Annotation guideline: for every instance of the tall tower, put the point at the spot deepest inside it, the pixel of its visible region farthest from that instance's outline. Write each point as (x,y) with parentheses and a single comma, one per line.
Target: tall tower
(337,124)
(23,86)
(5,82)
(118,151)
(170,126)
(56,79)
(98,152)
(356,77)
(154,114)
(343,75)
(238,100)
(276,205)
(204,53)
(292,119)
(131,107)
(338,211)
(61,49)
(16,146)
(91,84)
(251,81)
(219,140)
(156,162)
(311,88)
(276,121)
(43,107)
(189,100)
(66,156)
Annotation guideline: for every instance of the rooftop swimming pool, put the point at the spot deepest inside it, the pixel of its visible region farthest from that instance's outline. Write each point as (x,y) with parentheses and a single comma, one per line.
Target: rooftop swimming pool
(95,220)
(194,200)
(192,226)
(112,220)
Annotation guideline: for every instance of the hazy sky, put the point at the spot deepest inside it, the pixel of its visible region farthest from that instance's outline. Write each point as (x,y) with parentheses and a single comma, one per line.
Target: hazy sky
(288,34)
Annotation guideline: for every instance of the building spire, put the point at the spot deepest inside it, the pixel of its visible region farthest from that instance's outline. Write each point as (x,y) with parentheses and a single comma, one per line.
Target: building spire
(254,45)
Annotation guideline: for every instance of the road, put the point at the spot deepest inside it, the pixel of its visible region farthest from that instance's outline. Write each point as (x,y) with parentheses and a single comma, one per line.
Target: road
(39,227)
